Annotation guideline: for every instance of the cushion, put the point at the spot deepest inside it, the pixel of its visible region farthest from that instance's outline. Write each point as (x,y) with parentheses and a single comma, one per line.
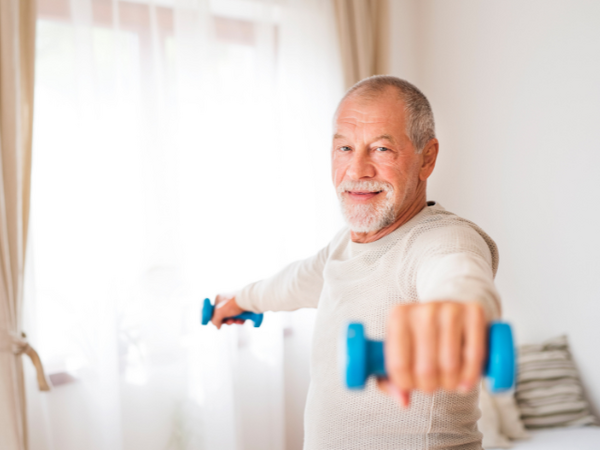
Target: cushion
(489,423)
(511,425)
(500,420)
(549,392)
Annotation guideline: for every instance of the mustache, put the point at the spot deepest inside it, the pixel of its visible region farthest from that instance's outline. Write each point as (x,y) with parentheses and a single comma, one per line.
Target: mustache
(370,186)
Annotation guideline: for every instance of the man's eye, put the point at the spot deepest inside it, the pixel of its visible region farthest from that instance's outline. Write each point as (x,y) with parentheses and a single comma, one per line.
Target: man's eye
(345,149)
(382,149)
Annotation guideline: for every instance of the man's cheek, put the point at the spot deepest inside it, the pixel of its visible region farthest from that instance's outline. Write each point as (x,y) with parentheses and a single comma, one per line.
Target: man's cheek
(337,174)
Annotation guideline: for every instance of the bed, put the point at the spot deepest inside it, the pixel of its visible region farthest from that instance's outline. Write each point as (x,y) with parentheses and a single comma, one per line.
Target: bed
(587,438)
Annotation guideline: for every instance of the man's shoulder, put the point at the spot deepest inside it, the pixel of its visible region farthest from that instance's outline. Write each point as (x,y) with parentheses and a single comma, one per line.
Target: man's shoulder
(435,217)
(439,230)
(340,239)
(342,235)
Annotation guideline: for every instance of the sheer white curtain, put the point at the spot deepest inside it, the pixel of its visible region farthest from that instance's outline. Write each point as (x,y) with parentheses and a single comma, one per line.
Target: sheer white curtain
(181,148)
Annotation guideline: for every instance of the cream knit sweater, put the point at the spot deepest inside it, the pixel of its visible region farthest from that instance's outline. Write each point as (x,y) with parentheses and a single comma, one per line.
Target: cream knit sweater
(435,256)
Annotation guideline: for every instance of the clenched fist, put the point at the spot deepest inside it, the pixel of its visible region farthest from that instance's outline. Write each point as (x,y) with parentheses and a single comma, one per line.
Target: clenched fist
(431,346)
(226,306)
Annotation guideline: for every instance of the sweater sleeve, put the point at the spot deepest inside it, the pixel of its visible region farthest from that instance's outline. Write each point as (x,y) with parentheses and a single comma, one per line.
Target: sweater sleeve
(297,286)
(457,265)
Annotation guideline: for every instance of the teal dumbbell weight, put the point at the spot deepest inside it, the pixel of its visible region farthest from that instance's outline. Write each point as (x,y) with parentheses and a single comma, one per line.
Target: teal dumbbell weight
(365,357)
(208,309)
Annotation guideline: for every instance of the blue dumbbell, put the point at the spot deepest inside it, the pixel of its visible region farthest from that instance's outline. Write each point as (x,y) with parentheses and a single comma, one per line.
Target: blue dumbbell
(365,358)
(208,309)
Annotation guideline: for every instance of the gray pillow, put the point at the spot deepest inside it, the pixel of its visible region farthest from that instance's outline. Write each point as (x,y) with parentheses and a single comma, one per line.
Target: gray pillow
(549,392)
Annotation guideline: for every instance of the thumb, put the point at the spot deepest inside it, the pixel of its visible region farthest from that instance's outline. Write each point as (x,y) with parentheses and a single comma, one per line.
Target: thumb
(400,395)
(218,315)
(222,303)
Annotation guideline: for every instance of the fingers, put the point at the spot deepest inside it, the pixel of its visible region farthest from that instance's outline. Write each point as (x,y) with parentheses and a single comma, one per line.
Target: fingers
(221,310)
(217,318)
(402,397)
(424,330)
(434,345)
(232,321)
(383,385)
(398,349)
(225,309)
(474,348)
(450,341)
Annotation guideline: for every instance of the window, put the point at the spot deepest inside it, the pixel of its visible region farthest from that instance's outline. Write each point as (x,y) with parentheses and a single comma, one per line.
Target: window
(180,149)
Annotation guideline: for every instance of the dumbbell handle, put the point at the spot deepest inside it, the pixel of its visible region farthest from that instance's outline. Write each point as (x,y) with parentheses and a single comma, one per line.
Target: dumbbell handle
(208,310)
(365,357)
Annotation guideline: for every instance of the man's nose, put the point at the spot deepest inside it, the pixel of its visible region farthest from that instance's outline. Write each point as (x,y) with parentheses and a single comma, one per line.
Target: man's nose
(360,166)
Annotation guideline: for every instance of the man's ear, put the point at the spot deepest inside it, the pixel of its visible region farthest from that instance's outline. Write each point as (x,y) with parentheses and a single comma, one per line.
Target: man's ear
(429,157)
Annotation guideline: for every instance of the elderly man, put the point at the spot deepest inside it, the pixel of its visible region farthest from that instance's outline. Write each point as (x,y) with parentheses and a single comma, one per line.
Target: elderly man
(414,273)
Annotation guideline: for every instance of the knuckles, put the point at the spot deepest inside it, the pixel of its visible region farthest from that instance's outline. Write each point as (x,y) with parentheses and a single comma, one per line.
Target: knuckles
(453,363)
(398,369)
(450,366)
(476,311)
(427,375)
(398,314)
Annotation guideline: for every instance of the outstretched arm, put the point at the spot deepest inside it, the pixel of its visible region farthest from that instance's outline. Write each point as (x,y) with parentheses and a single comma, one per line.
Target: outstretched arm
(440,342)
(297,286)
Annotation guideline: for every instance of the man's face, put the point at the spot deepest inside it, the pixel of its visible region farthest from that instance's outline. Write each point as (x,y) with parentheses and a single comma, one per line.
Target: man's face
(375,166)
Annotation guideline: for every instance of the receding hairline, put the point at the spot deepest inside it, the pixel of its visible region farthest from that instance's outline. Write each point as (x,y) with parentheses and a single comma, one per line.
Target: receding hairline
(420,124)
(368,94)
(371,93)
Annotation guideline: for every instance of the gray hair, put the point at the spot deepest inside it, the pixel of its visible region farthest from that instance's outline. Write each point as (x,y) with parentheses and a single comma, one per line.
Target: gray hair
(420,126)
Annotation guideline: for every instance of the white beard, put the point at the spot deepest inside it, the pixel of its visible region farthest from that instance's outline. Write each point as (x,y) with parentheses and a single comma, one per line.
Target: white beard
(369,217)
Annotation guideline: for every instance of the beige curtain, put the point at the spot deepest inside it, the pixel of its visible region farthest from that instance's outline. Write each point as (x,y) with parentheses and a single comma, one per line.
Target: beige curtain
(363,33)
(17,48)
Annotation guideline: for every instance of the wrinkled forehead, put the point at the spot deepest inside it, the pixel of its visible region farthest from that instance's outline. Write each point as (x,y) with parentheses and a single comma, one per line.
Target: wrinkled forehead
(383,109)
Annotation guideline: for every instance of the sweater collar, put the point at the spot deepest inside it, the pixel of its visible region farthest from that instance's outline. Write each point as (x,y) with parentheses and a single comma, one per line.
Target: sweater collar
(357,248)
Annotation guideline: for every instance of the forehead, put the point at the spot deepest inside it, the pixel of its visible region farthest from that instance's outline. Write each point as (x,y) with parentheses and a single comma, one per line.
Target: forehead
(384,110)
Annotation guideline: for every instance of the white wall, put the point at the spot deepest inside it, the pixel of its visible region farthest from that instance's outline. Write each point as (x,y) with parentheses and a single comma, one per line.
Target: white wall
(515,87)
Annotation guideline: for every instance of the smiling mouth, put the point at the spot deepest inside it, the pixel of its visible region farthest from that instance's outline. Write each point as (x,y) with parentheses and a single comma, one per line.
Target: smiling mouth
(362,195)
(355,191)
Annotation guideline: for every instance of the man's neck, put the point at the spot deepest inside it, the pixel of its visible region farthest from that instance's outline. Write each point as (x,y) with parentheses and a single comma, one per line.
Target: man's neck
(404,216)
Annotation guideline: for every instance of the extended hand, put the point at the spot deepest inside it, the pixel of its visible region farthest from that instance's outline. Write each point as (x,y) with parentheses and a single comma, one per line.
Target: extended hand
(435,345)
(226,306)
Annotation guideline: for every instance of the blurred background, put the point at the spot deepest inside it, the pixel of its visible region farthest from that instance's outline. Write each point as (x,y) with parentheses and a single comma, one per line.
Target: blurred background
(181,148)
